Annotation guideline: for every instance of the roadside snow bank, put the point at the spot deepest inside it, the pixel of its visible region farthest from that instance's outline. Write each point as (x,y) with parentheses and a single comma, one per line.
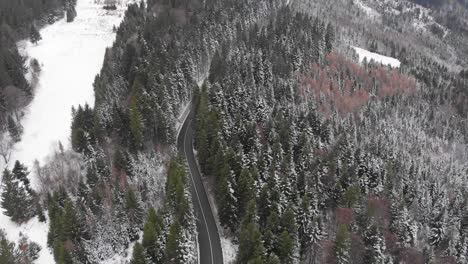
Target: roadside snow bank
(362,53)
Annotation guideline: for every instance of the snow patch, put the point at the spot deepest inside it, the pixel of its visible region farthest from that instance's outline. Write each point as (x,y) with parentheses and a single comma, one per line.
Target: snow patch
(372,13)
(229,250)
(365,54)
(34,230)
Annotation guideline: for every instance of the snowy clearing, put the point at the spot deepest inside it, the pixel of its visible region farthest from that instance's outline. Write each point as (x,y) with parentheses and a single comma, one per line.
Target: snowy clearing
(70,55)
(34,230)
(362,53)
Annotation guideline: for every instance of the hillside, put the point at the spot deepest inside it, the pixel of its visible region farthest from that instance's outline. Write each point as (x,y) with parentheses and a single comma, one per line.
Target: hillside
(323,132)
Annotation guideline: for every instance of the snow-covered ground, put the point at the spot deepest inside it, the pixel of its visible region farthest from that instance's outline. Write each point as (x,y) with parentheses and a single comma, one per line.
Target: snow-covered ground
(34,230)
(229,250)
(362,53)
(372,13)
(70,55)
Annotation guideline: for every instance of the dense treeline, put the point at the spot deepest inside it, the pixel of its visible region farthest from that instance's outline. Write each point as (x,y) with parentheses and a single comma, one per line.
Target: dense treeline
(255,141)
(317,159)
(162,49)
(312,157)
(20,15)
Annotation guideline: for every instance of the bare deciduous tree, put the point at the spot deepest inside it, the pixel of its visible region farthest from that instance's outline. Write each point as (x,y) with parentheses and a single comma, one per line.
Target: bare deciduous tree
(6,147)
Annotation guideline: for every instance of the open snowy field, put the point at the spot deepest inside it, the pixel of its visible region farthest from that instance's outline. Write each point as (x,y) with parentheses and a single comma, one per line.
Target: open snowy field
(362,53)
(70,55)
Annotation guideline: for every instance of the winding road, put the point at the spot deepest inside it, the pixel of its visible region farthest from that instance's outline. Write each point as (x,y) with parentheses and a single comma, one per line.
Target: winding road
(209,244)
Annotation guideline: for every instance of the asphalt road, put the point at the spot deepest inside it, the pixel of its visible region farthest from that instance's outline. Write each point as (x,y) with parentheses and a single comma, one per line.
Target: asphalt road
(210,251)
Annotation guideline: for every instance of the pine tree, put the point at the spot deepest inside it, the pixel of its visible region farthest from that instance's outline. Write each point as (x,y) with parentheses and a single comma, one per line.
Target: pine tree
(329,38)
(285,247)
(173,244)
(10,193)
(17,196)
(226,199)
(151,232)
(21,174)
(136,123)
(14,129)
(34,35)
(71,12)
(138,256)
(375,246)
(342,245)
(8,253)
(273,259)
(40,212)
(251,248)
(70,223)
(245,191)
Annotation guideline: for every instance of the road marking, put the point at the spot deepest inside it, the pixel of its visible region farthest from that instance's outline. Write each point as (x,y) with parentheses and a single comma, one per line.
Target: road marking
(196,192)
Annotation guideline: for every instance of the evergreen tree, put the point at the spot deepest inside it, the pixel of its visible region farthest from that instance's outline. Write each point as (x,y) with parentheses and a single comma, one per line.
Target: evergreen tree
(329,38)
(8,253)
(34,35)
(342,245)
(10,193)
(21,174)
(136,122)
(17,196)
(226,199)
(285,247)
(151,232)
(251,248)
(138,256)
(173,244)
(245,191)
(71,13)
(375,246)
(70,223)
(14,129)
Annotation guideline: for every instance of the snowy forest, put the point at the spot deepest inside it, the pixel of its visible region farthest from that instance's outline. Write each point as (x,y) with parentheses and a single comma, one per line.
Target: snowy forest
(309,153)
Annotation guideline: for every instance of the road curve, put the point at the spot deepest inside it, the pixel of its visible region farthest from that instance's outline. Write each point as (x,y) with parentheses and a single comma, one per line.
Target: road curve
(210,251)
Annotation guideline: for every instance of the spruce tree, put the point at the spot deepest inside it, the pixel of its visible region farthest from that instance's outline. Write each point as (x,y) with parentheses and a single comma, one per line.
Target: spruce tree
(173,244)
(17,196)
(342,245)
(226,199)
(9,194)
(245,191)
(138,256)
(14,129)
(34,35)
(151,232)
(8,254)
(251,248)
(21,174)
(70,223)
(285,247)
